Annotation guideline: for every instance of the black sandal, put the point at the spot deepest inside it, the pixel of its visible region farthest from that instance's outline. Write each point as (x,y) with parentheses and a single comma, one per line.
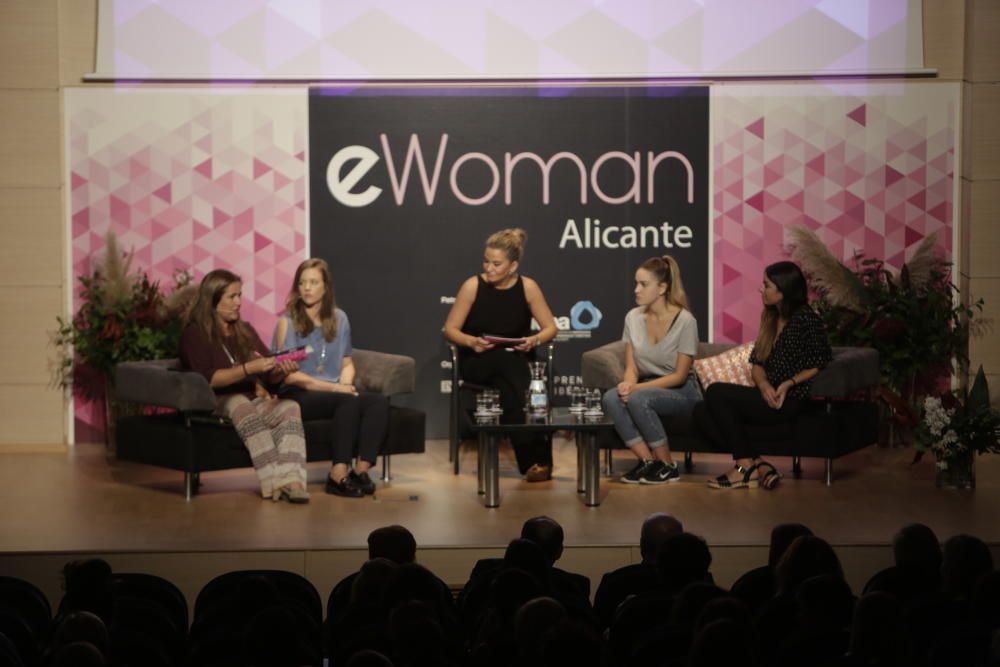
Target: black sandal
(769,477)
(723,482)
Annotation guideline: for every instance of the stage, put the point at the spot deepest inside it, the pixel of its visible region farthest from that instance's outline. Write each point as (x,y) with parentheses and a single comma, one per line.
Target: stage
(76,502)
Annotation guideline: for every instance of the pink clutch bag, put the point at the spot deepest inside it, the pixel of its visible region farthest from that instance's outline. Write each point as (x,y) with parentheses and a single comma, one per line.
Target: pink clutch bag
(298,354)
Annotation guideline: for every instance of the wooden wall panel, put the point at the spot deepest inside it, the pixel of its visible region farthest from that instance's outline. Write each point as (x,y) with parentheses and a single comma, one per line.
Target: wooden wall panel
(982,54)
(77,40)
(981,134)
(32,414)
(31,253)
(984,229)
(944,25)
(30,138)
(29,54)
(25,351)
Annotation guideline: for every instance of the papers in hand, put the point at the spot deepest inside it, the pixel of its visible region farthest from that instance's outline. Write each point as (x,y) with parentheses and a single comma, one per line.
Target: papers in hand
(502,341)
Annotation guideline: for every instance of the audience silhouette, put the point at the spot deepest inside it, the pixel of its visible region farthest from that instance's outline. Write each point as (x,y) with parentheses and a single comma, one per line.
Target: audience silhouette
(937,605)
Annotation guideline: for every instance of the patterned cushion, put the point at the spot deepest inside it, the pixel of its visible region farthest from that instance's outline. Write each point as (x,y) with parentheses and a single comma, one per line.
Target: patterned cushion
(732,366)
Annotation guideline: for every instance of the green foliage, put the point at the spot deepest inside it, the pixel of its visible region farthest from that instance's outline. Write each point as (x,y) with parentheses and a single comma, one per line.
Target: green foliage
(919,330)
(121,319)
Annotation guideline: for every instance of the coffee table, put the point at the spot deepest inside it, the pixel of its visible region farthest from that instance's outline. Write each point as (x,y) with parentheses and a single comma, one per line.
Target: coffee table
(585,430)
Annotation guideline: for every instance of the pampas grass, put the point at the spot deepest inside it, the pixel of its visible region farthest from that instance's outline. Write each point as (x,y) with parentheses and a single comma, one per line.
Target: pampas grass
(838,284)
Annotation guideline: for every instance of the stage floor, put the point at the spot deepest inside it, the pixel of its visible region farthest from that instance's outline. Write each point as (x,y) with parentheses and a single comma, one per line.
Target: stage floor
(79,501)
(69,504)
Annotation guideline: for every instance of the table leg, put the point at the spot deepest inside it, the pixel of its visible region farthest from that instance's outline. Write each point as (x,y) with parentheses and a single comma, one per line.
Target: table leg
(492,471)
(581,463)
(592,469)
(481,462)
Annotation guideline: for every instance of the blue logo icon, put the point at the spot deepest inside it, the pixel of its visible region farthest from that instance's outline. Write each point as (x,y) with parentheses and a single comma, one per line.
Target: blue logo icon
(584,309)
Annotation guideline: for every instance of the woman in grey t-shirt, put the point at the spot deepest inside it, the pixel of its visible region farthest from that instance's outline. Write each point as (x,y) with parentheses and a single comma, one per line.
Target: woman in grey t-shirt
(661,340)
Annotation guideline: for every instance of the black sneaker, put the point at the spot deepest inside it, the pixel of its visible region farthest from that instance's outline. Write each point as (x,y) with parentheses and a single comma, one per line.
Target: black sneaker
(363,482)
(634,476)
(659,472)
(345,487)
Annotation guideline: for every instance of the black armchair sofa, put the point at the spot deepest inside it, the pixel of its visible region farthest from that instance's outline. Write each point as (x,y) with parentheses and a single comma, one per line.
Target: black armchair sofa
(191,439)
(840,419)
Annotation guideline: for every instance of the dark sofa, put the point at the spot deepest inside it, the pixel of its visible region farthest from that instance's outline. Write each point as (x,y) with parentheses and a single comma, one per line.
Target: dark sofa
(191,439)
(839,420)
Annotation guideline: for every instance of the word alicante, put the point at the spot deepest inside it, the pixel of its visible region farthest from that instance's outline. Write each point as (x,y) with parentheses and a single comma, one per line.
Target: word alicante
(613,236)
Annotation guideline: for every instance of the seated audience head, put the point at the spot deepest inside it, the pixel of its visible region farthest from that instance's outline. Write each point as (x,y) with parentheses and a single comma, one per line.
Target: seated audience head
(546,533)
(965,559)
(719,607)
(510,590)
(807,556)
(986,600)
(878,634)
(368,587)
(691,600)
(78,654)
(782,536)
(655,530)
(528,556)
(393,542)
(915,548)
(273,637)
(415,634)
(683,559)
(88,587)
(825,603)
(411,581)
(82,626)
(533,620)
(722,642)
(571,644)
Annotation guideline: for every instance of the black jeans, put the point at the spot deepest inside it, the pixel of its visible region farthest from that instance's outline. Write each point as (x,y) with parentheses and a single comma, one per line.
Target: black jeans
(727,408)
(359,422)
(508,372)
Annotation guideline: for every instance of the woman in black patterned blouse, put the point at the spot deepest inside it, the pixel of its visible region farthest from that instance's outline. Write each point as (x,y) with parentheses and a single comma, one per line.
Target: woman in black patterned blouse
(791,349)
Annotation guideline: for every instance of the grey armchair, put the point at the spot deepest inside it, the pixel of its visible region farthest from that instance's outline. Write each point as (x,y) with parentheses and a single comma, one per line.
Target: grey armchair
(190,438)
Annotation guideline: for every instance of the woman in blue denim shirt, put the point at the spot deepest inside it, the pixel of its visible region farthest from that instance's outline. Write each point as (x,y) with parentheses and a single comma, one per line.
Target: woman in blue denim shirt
(324,384)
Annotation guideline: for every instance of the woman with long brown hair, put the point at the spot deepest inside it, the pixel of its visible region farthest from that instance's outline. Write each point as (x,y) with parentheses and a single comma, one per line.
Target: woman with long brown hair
(239,368)
(323,386)
(791,348)
(500,302)
(661,341)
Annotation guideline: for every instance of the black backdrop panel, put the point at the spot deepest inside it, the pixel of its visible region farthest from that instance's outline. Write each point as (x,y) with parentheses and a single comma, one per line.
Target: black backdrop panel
(627,176)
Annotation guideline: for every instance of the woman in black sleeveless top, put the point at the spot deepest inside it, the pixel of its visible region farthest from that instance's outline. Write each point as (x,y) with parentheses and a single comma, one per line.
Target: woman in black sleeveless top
(500,302)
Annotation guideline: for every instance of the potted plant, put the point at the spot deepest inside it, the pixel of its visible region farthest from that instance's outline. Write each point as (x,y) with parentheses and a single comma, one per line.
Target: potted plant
(123,316)
(912,317)
(955,427)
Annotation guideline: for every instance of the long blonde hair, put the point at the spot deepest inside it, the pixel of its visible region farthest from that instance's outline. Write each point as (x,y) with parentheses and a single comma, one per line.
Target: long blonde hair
(511,241)
(296,310)
(666,272)
(203,315)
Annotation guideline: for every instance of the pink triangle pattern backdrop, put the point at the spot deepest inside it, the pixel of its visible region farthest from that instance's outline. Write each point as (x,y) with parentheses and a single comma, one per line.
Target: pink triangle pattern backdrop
(870,168)
(190,180)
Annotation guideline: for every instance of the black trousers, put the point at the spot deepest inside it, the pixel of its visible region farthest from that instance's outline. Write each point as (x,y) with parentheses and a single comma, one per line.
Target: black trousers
(508,372)
(728,408)
(359,422)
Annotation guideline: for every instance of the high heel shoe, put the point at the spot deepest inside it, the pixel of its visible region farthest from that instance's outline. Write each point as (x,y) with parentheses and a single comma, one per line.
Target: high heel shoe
(723,481)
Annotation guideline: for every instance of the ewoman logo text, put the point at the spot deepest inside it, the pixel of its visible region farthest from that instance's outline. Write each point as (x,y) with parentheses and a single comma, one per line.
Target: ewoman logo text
(351,164)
